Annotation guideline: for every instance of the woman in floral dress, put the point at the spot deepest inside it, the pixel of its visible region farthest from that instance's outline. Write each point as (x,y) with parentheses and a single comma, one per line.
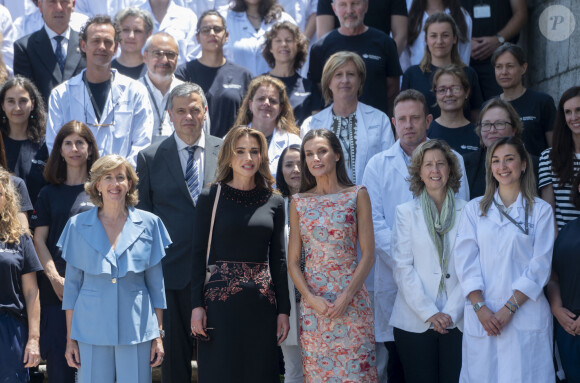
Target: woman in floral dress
(329,217)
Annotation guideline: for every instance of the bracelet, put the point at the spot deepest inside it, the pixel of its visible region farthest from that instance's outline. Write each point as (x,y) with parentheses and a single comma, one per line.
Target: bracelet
(515,308)
(511,312)
(515,300)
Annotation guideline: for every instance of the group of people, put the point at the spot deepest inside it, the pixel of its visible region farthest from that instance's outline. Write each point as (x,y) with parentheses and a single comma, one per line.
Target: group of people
(203,194)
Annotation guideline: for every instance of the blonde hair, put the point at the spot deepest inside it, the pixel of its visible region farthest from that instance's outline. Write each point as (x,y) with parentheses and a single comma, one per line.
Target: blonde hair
(285,120)
(416,184)
(10,227)
(527,178)
(336,61)
(225,173)
(105,165)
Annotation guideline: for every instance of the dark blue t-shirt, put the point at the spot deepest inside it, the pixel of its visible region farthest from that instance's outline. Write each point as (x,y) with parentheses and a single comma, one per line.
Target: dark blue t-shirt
(463,139)
(55,205)
(16,260)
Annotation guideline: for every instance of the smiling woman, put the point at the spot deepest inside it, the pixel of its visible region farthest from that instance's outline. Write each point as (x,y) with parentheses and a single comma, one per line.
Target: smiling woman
(245,304)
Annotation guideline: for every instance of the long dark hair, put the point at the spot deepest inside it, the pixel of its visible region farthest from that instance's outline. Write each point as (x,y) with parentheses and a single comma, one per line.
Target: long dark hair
(562,154)
(307,180)
(55,171)
(281,183)
(269,10)
(37,122)
(417,11)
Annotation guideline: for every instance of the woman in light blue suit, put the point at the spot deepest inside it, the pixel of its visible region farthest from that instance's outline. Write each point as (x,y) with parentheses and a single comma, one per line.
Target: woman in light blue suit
(428,312)
(114,293)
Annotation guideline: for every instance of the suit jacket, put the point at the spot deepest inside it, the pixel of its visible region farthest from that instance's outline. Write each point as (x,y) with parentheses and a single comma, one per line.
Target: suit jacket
(34,58)
(114,292)
(418,273)
(163,191)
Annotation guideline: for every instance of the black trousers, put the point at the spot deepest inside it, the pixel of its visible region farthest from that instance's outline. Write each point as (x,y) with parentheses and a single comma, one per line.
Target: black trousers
(430,357)
(178,343)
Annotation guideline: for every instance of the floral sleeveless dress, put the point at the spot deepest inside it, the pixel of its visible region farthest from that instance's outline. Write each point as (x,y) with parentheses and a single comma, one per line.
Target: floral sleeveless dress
(340,350)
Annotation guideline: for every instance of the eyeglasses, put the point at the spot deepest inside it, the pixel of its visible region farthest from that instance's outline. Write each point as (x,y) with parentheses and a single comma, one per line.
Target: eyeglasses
(205,30)
(455,89)
(498,125)
(169,54)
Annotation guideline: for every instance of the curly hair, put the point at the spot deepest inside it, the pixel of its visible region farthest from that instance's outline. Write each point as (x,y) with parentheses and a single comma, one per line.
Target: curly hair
(269,10)
(10,227)
(99,20)
(37,121)
(416,184)
(263,178)
(299,38)
(285,120)
(55,171)
(105,165)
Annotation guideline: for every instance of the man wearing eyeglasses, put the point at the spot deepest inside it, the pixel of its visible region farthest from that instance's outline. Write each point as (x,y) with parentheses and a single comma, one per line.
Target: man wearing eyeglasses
(176,20)
(161,53)
(115,107)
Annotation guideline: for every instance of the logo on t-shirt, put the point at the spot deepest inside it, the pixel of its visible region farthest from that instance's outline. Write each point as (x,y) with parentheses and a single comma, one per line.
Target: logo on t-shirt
(232,86)
(302,94)
(528,118)
(372,57)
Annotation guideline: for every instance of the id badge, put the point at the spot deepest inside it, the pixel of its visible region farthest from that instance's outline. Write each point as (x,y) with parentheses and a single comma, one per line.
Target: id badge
(482,11)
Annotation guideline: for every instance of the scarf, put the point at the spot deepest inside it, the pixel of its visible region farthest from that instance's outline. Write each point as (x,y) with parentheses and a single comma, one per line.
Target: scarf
(438,226)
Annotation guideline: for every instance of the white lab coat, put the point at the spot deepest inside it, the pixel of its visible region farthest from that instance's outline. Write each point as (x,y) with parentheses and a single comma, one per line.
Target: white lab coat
(8,38)
(494,256)
(374,133)
(280,141)
(418,272)
(181,23)
(413,54)
(386,181)
(161,101)
(244,46)
(127,106)
(200,6)
(104,7)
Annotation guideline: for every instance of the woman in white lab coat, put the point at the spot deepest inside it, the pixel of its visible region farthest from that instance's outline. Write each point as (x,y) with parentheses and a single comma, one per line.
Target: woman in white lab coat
(267,108)
(503,254)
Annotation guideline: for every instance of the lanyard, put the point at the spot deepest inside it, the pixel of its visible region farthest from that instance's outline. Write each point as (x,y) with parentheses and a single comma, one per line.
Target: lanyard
(523,229)
(98,113)
(160,116)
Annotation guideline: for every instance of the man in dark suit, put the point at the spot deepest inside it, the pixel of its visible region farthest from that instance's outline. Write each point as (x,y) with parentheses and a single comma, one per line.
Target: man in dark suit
(50,55)
(172,173)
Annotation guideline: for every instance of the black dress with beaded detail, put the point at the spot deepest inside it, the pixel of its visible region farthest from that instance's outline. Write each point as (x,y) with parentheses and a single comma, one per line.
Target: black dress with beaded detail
(248,289)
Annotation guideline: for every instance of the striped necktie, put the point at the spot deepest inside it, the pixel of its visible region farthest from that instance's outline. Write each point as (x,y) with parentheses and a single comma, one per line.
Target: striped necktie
(192,174)
(59,53)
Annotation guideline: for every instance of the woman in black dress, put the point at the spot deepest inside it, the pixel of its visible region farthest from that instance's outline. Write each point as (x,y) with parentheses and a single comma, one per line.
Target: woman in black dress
(244,307)
(75,150)
(23,125)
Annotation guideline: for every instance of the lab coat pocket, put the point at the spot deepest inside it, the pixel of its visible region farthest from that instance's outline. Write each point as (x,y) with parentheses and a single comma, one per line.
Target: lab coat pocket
(122,126)
(534,316)
(522,249)
(471,324)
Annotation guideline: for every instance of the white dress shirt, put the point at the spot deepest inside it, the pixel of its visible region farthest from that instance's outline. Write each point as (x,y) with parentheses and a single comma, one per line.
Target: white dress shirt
(25,25)
(52,34)
(198,155)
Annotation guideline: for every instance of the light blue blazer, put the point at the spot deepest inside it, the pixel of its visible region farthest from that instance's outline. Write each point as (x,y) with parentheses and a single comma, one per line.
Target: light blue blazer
(114,292)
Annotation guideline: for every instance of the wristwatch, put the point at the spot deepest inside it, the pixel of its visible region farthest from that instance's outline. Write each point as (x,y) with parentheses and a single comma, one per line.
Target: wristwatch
(478,306)
(500,39)
(162,333)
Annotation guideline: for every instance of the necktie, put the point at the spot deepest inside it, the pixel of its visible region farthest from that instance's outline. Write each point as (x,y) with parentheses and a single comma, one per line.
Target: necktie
(59,53)
(192,174)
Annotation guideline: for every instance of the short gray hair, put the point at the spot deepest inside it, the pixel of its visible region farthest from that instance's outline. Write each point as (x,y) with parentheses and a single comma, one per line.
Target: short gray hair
(184,90)
(149,41)
(135,12)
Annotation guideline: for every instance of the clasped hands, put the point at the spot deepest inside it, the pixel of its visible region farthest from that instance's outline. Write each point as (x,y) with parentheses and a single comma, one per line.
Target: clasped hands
(568,320)
(492,322)
(331,310)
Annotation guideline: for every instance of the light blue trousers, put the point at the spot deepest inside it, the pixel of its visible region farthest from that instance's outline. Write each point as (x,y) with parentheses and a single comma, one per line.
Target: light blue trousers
(107,364)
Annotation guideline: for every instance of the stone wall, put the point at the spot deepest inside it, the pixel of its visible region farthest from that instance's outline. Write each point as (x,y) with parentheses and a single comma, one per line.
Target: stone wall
(554,66)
